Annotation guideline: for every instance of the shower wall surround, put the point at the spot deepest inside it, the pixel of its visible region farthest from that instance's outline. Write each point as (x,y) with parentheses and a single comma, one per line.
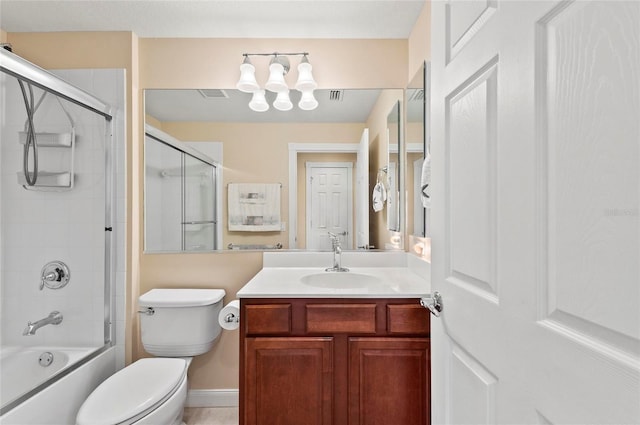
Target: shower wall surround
(38,226)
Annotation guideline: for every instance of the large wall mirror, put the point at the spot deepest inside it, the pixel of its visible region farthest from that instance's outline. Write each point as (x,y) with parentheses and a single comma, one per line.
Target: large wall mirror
(258,152)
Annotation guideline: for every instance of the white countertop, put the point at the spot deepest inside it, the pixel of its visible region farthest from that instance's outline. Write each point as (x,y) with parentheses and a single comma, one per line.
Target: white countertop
(395,275)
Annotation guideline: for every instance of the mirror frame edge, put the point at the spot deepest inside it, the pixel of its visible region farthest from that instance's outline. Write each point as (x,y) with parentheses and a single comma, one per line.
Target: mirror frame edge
(425,70)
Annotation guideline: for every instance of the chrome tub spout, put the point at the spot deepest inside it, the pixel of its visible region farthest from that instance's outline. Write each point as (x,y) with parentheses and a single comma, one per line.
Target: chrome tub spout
(54,318)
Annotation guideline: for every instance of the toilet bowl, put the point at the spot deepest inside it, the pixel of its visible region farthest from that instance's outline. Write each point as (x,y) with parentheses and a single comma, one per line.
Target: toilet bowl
(174,323)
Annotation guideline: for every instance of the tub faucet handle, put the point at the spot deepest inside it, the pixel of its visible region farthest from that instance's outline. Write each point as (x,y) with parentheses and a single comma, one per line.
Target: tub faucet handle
(54,275)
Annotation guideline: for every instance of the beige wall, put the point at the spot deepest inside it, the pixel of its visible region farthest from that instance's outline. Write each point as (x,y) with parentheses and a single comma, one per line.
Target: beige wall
(3,36)
(58,50)
(206,63)
(420,41)
(214,63)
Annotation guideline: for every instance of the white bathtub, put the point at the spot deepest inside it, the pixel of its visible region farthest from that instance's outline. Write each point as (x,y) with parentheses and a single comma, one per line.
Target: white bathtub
(21,372)
(59,402)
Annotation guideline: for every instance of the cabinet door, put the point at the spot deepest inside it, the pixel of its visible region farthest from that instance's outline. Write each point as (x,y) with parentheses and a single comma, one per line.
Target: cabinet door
(288,381)
(388,381)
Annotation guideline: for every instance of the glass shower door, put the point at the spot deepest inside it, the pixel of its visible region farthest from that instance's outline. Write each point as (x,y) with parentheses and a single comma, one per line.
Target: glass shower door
(199,205)
(163,193)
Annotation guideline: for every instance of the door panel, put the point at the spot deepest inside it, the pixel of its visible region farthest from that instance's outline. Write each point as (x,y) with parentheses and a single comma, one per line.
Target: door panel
(471,164)
(588,213)
(329,204)
(536,231)
(473,390)
(464,19)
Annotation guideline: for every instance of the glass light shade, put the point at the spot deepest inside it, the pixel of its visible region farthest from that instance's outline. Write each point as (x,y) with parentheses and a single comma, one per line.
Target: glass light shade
(308,102)
(247,82)
(282,102)
(276,82)
(258,102)
(305,78)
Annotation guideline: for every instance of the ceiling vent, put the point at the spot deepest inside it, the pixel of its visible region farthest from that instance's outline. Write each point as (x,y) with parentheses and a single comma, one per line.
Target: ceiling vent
(418,95)
(213,93)
(336,95)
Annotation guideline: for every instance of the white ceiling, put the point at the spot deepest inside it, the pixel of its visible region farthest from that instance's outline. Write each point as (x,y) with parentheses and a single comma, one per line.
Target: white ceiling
(227,19)
(216,18)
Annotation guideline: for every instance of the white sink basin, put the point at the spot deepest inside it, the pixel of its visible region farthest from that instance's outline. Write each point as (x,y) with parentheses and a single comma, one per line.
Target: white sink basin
(340,280)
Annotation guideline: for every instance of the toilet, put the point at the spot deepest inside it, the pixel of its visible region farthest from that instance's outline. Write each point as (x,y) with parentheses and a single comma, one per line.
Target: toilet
(175,324)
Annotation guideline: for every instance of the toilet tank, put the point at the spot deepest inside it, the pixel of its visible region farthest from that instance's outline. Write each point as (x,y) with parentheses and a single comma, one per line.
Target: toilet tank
(179,322)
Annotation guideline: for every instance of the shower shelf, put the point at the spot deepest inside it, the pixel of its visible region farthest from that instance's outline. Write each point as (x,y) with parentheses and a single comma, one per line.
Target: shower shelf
(48,179)
(49,140)
(52,180)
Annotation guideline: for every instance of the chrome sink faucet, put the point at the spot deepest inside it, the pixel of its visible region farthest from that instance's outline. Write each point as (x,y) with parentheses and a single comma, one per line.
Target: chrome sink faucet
(54,318)
(337,254)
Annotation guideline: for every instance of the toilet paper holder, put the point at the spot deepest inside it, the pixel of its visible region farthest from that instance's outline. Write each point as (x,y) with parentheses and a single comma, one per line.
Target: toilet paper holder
(231,318)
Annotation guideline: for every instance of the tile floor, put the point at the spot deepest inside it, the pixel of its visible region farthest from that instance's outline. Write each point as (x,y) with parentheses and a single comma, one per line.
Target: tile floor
(210,416)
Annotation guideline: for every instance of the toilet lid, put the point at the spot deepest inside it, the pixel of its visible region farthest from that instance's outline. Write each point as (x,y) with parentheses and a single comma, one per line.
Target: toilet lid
(132,390)
(163,297)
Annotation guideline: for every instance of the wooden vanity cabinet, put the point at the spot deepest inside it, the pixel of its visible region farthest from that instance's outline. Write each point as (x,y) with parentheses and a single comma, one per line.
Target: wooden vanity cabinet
(334,362)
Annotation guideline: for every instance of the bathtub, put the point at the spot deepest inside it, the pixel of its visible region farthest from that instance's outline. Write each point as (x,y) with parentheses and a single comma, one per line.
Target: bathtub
(21,372)
(58,402)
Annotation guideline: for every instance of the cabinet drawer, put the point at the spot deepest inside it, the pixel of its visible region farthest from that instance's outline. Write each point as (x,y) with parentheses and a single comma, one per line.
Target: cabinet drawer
(407,319)
(351,318)
(263,319)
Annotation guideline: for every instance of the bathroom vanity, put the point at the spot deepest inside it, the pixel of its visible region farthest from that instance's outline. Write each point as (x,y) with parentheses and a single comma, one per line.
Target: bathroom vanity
(335,348)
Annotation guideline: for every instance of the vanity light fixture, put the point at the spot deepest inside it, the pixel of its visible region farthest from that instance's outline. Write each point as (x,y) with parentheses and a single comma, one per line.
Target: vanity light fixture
(247,82)
(282,102)
(278,68)
(258,101)
(308,102)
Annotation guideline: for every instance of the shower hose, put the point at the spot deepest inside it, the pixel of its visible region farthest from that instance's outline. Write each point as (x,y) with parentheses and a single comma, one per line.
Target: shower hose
(31,141)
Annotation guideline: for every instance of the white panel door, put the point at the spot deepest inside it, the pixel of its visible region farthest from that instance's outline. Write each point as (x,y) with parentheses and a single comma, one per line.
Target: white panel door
(535,208)
(329,204)
(362,192)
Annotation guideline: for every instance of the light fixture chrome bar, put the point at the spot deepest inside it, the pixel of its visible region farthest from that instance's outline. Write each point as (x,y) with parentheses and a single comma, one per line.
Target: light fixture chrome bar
(277,54)
(22,69)
(278,68)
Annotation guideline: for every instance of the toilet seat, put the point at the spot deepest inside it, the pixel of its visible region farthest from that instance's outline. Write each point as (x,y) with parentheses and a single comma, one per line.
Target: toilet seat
(133,392)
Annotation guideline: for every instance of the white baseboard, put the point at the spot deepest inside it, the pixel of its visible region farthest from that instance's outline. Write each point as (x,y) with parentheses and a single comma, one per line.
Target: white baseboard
(212,398)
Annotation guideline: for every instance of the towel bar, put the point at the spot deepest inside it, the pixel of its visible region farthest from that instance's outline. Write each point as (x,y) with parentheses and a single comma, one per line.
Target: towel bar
(254,246)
